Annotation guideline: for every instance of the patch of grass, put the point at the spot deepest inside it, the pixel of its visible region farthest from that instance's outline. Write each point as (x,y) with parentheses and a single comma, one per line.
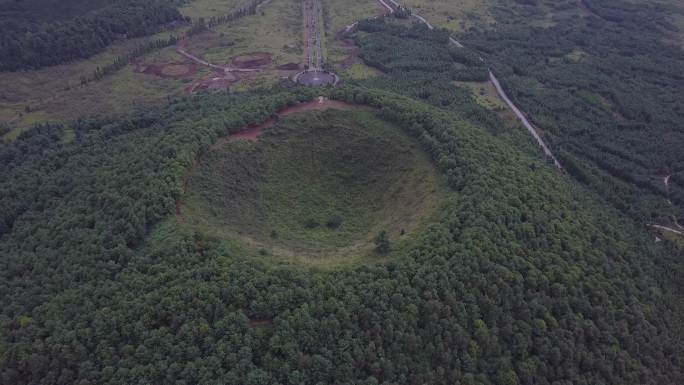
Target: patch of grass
(360,71)
(484,94)
(339,14)
(336,16)
(207,8)
(55,93)
(316,190)
(455,16)
(275,29)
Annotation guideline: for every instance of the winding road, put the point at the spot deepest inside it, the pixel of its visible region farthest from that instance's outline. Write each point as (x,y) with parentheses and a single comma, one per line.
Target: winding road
(528,125)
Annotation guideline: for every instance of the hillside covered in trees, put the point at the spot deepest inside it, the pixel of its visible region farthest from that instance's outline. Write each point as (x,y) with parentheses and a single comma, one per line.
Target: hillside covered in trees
(525,277)
(604,81)
(38,33)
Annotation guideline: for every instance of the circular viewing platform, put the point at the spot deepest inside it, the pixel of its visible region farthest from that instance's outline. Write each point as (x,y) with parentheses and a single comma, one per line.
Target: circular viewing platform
(316,78)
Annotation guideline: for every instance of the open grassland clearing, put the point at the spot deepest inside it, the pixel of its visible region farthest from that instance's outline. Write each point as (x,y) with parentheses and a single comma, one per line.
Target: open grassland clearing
(359,71)
(339,14)
(341,52)
(484,93)
(207,9)
(315,190)
(275,29)
(455,16)
(31,97)
(56,93)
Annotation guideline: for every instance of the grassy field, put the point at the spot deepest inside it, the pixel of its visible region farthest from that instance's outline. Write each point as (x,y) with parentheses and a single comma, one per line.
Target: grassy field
(276,29)
(55,94)
(485,94)
(315,191)
(207,8)
(339,14)
(336,16)
(457,16)
(359,71)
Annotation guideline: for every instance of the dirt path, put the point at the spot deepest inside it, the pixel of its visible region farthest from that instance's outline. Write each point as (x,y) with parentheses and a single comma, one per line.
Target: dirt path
(180,48)
(252,132)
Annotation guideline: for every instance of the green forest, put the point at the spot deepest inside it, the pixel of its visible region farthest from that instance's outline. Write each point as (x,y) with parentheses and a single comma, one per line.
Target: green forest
(528,275)
(606,90)
(28,41)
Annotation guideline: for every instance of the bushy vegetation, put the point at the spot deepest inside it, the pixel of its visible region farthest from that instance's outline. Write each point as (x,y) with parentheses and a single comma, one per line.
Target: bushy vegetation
(528,279)
(325,182)
(419,63)
(606,89)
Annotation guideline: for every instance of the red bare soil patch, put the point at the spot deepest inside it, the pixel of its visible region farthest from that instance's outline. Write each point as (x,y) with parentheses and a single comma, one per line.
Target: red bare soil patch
(169,70)
(352,50)
(251,60)
(288,66)
(319,105)
(219,80)
(252,132)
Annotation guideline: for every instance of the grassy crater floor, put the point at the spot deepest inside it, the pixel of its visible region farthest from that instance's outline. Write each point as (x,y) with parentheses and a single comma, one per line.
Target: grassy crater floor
(316,188)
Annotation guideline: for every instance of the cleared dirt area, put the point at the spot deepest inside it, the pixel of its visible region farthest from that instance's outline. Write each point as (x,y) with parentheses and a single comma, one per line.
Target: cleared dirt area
(215,81)
(169,71)
(321,104)
(252,60)
(351,48)
(289,67)
(224,77)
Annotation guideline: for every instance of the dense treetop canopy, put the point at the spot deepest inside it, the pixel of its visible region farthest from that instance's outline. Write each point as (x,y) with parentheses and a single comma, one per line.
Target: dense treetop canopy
(527,278)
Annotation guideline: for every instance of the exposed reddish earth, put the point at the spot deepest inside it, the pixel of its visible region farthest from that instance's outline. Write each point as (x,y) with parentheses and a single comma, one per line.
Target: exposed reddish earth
(252,60)
(352,50)
(253,132)
(218,80)
(288,66)
(182,49)
(169,70)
